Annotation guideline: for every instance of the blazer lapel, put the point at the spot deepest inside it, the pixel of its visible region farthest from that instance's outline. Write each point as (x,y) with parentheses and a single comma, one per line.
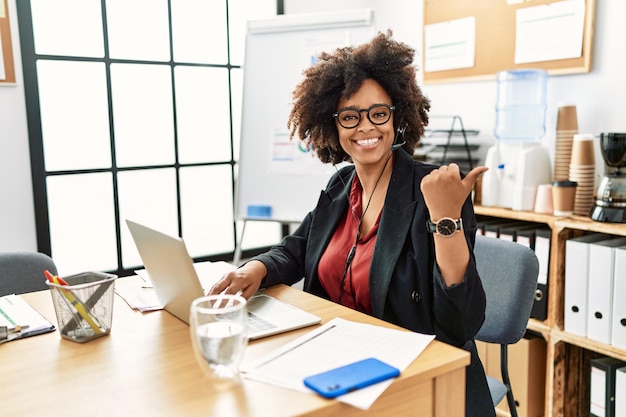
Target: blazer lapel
(331,206)
(394,225)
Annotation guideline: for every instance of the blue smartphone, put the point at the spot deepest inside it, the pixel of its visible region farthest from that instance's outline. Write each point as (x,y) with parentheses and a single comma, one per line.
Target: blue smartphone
(347,378)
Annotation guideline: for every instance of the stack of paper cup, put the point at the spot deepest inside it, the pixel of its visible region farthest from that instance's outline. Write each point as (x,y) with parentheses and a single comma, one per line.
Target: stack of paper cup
(582,170)
(566,128)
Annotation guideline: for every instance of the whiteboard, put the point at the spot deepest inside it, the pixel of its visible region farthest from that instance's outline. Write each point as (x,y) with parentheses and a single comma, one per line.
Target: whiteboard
(273,171)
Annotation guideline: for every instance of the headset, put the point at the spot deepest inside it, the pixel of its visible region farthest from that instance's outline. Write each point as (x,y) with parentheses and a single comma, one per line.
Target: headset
(399,132)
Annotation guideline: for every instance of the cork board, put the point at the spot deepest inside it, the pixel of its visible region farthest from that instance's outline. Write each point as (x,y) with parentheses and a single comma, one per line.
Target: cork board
(7,68)
(495,38)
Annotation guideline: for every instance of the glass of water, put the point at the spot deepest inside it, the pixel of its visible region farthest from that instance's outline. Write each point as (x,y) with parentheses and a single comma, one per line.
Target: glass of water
(219,326)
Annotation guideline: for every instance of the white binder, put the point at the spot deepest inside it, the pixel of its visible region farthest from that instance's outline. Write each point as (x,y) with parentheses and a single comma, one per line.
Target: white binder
(620,392)
(576,279)
(600,290)
(618,333)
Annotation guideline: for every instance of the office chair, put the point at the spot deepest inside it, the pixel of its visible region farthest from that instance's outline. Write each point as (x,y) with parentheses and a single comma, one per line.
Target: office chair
(509,273)
(22,272)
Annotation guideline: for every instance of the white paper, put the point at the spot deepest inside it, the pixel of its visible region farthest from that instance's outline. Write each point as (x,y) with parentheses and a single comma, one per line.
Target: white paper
(549,32)
(139,294)
(3,74)
(336,343)
(450,45)
(15,311)
(291,156)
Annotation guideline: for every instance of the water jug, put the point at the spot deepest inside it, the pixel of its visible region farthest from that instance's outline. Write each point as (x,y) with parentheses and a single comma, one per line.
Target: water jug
(521,105)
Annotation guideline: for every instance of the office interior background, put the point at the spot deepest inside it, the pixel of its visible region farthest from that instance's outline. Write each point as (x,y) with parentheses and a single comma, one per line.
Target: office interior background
(94,239)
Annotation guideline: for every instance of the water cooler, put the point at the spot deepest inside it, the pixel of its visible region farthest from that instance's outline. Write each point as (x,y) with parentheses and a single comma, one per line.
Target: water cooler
(518,162)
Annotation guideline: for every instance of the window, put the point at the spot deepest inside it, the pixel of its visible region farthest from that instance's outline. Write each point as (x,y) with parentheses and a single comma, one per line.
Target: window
(134,112)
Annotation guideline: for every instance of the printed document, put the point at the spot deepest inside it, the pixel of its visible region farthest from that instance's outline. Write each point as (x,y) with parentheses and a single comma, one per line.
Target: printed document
(336,343)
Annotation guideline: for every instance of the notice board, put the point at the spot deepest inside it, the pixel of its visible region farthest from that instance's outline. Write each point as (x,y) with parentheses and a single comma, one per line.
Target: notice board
(496,36)
(7,68)
(278,177)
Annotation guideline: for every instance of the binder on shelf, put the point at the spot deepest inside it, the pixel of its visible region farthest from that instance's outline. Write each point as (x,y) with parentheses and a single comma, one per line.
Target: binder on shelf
(600,289)
(543,236)
(620,391)
(576,282)
(618,326)
(526,236)
(603,373)
(509,231)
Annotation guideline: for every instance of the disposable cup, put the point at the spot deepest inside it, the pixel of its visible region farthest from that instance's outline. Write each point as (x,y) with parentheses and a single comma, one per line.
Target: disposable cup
(582,150)
(566,119)
(563,197)
(543,199)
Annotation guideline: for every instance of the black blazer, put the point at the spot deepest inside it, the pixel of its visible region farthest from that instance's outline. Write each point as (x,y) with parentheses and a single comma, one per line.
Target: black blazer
(406,287)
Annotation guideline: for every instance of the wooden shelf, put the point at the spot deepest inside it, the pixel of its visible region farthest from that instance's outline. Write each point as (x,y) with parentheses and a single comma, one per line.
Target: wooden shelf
(568,355)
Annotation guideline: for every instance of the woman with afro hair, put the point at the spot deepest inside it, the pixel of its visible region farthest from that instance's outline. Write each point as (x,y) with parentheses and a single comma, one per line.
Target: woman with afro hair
(389,236)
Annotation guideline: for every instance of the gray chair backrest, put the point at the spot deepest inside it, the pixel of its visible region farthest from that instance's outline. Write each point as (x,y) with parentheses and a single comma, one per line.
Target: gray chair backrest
(509,273)
(22,272)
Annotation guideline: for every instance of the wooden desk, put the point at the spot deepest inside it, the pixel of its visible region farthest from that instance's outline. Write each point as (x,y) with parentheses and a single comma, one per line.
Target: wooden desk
(146,367)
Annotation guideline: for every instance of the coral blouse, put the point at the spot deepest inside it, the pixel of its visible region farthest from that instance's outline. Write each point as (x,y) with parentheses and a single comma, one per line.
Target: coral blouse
(345,278)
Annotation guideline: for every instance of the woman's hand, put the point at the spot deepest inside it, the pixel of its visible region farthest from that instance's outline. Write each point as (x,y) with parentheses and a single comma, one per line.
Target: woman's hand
(246,279)
(445,191)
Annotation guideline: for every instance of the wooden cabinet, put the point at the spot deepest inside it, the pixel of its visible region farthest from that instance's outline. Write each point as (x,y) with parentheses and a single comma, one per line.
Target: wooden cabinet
(567,356)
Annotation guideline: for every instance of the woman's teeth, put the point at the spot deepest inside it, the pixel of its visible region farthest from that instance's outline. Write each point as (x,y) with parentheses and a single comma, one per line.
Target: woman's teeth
(366,142)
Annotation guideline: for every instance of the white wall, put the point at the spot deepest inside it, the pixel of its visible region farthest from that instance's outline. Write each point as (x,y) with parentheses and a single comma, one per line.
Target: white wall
(598,95)
(17,214)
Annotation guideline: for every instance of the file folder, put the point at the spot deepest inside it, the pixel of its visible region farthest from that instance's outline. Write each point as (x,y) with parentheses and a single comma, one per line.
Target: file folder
(576,280)
(603,373)
(620,391)
(526,236)
(618,327)
(543,237)
(600,289)
(512,231)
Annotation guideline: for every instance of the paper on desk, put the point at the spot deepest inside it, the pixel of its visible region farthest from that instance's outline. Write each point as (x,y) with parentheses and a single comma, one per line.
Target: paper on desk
(15,311)
(338,342)
(139,294)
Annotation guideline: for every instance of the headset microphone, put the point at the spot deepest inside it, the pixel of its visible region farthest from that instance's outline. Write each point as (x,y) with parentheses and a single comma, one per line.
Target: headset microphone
(400,131)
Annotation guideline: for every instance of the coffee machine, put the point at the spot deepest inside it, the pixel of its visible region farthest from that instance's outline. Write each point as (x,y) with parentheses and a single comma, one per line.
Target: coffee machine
(610,205)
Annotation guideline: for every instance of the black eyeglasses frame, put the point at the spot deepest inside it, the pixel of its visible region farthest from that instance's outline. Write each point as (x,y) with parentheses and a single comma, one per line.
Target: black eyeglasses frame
(367,112)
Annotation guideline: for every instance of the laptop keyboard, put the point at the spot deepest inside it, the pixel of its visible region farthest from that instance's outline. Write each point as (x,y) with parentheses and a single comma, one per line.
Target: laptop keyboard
(256,323)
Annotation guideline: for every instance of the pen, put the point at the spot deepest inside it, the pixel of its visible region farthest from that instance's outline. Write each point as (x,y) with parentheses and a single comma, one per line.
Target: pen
(296,346)
(79,306)
(91,301)
(7,334)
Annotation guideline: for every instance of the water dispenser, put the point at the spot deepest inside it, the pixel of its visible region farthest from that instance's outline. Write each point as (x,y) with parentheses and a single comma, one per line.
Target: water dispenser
(518,162)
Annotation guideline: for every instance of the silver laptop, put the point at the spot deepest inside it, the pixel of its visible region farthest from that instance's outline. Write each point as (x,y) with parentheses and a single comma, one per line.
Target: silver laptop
(176,284)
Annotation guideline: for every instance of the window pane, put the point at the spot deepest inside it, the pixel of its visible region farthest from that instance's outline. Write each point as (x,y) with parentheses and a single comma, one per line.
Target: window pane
(147,197)
(138,29)
(142,114)
(207,209)
(203,114)
(74,115)
(236,80)
(199,31)
(82,224)
(239,12)
(68,27)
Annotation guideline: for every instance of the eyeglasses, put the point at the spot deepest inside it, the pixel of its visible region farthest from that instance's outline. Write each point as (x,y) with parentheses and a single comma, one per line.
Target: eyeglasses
(377,114)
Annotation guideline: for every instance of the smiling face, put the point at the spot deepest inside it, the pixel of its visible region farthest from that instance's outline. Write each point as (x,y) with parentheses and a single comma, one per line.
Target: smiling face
(368,144)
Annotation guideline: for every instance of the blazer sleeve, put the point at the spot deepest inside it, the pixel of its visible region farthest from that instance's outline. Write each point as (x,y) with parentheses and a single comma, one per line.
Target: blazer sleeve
(285,261)
(459,310)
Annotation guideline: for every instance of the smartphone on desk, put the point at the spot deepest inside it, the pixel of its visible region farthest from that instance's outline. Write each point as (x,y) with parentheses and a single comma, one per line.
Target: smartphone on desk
(347,378)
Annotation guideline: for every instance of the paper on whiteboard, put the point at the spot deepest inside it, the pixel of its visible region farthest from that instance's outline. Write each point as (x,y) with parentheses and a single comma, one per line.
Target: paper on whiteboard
(291,156)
